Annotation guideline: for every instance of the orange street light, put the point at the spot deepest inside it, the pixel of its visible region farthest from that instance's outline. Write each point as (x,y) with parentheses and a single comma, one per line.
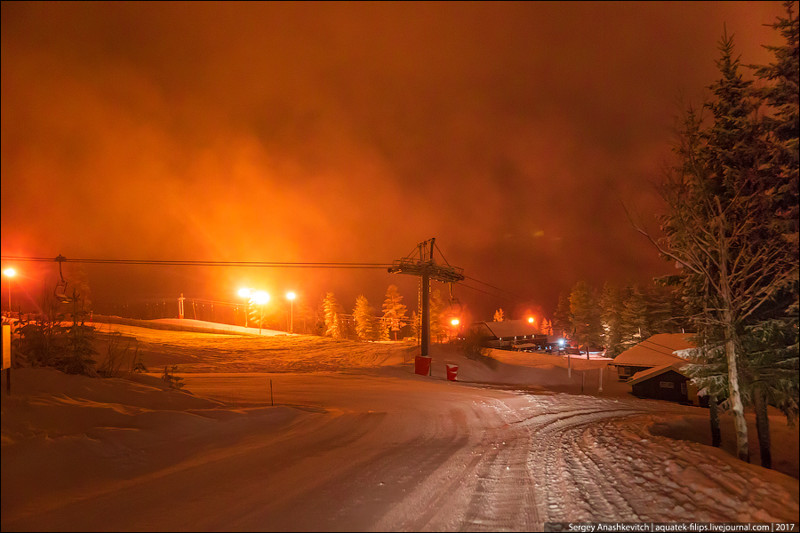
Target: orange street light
(530,320)
(455,322)
(291,296)
(244,292)
(260,298)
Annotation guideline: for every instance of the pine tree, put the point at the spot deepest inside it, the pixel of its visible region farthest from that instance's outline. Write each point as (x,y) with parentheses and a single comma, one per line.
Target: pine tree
(780,127)
(562,319)
(438,328)
(611,316)
(304,317)
(394,310)
(770,340)
(332,310)
(384,329)
(717,228)
(547,327)
(633,319)
(364,316)
(416,326)
(585,316)
(498,315)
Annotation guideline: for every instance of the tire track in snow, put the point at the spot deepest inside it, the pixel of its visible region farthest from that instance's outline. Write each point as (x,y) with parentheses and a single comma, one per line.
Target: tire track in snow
(504,498)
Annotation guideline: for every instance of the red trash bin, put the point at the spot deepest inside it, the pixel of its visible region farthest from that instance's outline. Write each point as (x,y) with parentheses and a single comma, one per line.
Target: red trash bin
(422,365)
(452,372)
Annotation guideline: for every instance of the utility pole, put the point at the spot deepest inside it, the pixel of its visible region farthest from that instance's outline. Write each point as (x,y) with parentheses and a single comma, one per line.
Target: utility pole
(420,262)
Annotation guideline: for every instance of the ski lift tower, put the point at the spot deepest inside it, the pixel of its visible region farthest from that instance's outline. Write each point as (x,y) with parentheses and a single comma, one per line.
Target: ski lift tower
(420,263)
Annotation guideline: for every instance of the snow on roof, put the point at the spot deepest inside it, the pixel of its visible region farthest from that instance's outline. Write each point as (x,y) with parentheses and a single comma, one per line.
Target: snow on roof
(644,375)
(658,350)
(512,328)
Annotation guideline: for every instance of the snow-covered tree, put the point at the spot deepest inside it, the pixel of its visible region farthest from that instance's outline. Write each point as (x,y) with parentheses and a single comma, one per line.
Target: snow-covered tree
(546,327)
(333,323)
(633,318)
(498,315)
(585,316)
(394,310)
(770,340)
(562,319)
(416,325)
(780,126)
(717,227)
(611,316)
(365,321)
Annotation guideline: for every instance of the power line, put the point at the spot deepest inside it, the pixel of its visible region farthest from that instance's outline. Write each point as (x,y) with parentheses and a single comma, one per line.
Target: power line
(257,264)
(252,264)
(462,284)
(490,285)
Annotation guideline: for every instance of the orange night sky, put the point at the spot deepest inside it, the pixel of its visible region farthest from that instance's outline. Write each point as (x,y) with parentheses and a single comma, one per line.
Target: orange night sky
(349,132)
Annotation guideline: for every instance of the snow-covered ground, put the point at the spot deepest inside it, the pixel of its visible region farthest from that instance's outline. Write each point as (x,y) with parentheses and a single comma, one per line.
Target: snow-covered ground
(356,441)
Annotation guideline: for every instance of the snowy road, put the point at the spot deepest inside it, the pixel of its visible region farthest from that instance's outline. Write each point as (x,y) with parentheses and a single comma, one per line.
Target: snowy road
(401,453)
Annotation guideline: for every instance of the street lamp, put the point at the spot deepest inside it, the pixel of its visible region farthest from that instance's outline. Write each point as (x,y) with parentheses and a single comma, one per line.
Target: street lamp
(260,298)
(455,322)
(291,296)
(530,320)
(246,293)
(9,273)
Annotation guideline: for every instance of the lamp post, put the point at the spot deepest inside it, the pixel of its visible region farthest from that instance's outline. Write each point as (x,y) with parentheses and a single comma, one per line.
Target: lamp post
(9,273)
(260,298)
(291,296)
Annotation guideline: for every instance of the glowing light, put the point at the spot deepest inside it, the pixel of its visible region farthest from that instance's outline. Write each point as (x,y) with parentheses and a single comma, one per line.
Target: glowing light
(245,292)
(561,342)
(260,297)
(455,322)
(9,272)
(530,320)
(290,295)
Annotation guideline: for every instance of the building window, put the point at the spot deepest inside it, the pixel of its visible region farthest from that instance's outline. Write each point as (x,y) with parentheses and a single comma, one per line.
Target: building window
(666,385)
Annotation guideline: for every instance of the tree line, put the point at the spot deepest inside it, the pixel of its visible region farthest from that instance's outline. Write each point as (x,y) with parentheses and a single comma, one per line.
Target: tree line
(731,226)
(617,317)
(393,322)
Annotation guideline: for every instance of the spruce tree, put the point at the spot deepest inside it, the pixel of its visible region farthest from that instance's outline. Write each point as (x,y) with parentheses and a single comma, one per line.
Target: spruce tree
(633,319)
(416,326)
(394,310)
(585,316)
(771,338)
(611,316)
(718,229)
(364,316)
(438,328)
(498,315)
(332,310)
(562,319)
(658,300)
